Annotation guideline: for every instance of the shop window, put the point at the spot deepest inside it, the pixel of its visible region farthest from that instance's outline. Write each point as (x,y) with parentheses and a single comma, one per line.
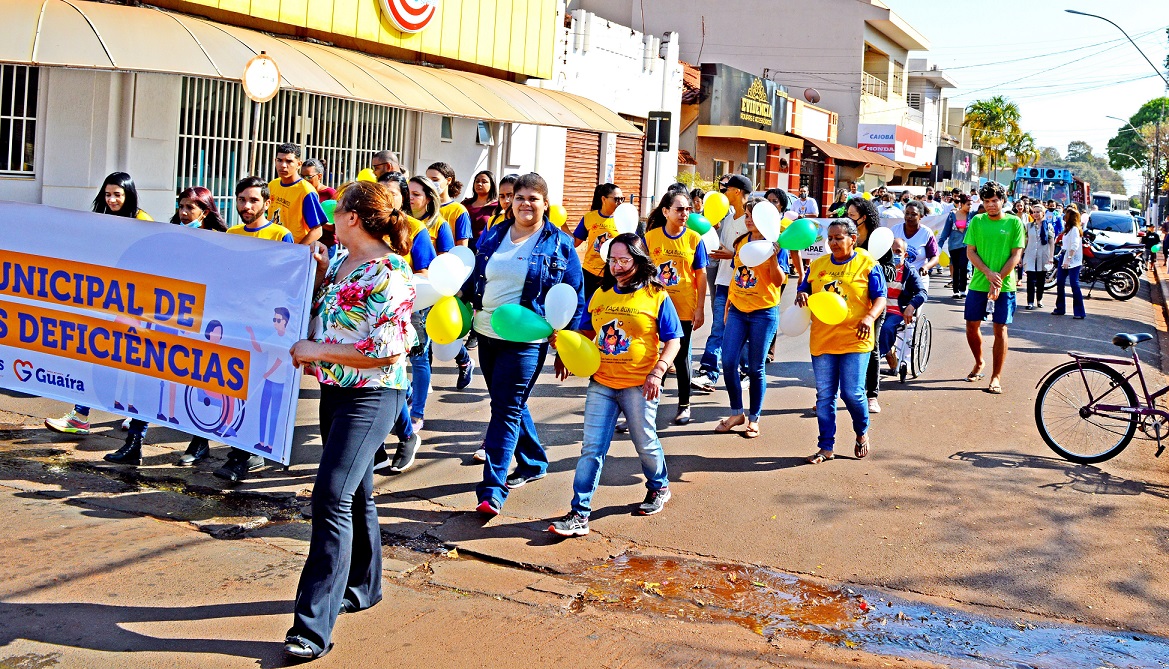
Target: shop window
(898,78)
(447,133)
(721,167)
(19,85)
(484,134)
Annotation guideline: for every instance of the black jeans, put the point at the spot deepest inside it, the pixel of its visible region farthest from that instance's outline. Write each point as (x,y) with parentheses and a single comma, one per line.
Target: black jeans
(873,375)
(960,268)
(344,563)
(1035,286)
(682,366)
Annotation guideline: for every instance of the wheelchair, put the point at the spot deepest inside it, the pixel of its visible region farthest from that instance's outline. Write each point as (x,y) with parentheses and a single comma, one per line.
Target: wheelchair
(913,346)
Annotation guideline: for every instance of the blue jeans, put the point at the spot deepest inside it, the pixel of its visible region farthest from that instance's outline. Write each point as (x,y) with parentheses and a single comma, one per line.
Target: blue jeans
(888,334)
(269,411)
(602,404)
(712,356)
(1062,277)
(753,330)
(420,365)
(843,374)
(510,370)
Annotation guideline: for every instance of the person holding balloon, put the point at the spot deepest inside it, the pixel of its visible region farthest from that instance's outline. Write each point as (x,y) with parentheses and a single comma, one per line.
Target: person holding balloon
(752,313)
(727,211)
(595,228)
(868,223)
(632,316)
(845,291)
(680,256)
(526,268)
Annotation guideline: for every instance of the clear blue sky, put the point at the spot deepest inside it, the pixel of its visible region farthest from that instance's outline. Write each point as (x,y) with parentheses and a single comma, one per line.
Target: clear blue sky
(1072,71)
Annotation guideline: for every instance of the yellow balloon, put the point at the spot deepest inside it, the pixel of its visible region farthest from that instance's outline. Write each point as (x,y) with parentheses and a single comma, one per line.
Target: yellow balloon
(944,260)
(445,321)
(784,222)
(828,308)
(558,215)
(867,196)
(578,354)
(715,207)
(366,175)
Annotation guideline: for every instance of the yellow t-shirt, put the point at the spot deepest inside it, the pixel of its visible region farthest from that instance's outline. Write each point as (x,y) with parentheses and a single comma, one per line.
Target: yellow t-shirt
(143,216)
(495,220)
(270,230)
(458,218)
(414,226)
(629,327)
(852,282)
(675,258)
(595,230)
(290,209)
(753,288)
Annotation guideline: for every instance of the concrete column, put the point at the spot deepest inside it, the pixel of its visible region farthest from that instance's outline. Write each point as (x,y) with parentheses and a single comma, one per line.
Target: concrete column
(829,182)
(793,175)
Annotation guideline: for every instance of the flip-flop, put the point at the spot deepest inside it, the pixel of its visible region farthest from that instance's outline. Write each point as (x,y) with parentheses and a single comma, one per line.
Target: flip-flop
(995,389)
(977,376)
(751,432)
(818,457)
(724,425)
(861,449)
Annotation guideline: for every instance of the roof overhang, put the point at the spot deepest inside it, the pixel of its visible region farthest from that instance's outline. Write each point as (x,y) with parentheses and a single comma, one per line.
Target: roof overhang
(749,134)
(852,154)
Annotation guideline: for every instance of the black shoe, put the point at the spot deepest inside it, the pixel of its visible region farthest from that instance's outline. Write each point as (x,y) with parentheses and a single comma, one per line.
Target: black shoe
(472,340)
(381,460)
(129,454)
(404,458)
(622,427)
(197,450)
(236,468)
(519,480)
(298,648)
(572,525)
(655,500)
(465,374)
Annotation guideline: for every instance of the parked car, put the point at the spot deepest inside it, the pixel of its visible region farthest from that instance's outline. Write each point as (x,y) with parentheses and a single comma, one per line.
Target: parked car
(1113,228)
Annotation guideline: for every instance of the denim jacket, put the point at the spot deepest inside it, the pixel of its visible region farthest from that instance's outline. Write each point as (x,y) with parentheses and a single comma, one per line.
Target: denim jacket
(554,260)
(951,233)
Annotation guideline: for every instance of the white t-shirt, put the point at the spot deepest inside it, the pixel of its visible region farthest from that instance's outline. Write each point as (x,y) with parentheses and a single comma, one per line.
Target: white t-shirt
(275,348)
(730,230)
(807,207)
(506,272)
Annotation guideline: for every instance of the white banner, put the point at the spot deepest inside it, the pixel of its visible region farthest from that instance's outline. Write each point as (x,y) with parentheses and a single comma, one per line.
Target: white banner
(184,328)
(820,246)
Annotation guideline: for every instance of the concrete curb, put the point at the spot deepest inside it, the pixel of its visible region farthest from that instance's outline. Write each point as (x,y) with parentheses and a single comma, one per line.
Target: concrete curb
(1160,297)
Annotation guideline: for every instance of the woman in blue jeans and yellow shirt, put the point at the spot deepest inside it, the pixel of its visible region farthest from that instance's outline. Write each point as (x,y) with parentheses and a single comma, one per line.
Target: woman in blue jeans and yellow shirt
(518,262)
(840,353)
(632,315)
(752,318)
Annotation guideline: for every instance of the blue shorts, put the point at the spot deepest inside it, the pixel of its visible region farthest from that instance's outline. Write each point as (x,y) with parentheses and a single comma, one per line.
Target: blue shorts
(1004,307)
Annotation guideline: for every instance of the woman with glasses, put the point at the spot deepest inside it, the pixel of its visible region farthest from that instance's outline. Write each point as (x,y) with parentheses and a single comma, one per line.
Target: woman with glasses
(631,315)
(1038,253)
(482,204)
(752,316)
(953,239)
(594,229)
(864,215)
(681,259)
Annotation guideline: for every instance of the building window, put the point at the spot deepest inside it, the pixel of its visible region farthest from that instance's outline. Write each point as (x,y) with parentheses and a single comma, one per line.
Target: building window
(721,167)
(898,78)
(18,118)
(914,101)
(447,133)
(216,135)
(484,134)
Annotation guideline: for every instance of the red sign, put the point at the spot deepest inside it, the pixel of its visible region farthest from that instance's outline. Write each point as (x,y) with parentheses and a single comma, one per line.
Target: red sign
(410,16)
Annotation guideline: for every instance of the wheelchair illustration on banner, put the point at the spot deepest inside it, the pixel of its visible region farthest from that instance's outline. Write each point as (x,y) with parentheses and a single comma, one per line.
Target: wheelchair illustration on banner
(214,413)
(913,346)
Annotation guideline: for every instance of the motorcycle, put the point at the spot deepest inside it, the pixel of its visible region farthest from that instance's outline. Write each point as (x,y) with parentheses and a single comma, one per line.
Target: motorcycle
(1119,268)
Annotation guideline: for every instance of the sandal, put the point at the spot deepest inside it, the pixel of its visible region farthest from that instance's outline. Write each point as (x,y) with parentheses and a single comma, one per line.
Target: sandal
(861,449)
(974,376)
(752,430)
(995,389)
(725,424)
(819,456)
(683,417)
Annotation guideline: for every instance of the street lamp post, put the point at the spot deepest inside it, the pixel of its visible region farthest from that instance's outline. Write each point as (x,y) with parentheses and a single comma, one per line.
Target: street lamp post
(1150,172)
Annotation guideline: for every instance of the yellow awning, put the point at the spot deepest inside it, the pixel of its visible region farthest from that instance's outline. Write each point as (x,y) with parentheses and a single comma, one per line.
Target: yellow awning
(83,34)
(738,132)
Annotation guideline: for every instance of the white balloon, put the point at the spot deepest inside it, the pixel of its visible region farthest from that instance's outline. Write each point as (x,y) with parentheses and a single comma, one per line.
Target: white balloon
(880,241)
(605,249)
(710,240)
(753,254)
(790,215)
(446,352)
(560,305)
(447,273)
(424,293)
(766,218)
(466,255)
(794,321)
(625,218)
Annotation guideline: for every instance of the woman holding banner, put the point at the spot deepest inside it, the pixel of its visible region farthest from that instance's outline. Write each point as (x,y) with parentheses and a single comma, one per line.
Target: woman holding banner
(519,261)
(360,333)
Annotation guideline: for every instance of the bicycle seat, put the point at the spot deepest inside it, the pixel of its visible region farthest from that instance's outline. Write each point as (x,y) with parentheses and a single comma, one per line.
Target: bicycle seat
(1124,340)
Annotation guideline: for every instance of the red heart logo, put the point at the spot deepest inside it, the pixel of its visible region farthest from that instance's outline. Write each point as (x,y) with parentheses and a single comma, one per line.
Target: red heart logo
(23,369)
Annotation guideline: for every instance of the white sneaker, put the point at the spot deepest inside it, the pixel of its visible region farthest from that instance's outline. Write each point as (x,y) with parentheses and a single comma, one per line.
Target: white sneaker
(480,455)
(874,406)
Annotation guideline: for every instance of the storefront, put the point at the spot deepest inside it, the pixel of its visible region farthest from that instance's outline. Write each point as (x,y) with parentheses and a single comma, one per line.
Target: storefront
(905,146)
(957,168)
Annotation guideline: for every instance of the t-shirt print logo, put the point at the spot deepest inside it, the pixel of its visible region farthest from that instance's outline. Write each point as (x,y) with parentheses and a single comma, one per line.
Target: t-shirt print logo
(745,277)
(23,369)
(667,273)
(613,339)
(600,241)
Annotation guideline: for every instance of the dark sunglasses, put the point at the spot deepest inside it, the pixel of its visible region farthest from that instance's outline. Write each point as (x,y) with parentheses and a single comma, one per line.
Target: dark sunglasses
(278,320)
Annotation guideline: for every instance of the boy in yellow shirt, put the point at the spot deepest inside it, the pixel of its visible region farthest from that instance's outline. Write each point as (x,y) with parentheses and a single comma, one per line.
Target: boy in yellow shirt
(295,203)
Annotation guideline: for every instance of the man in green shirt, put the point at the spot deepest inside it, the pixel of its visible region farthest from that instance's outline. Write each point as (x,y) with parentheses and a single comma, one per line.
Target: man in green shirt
(994,245)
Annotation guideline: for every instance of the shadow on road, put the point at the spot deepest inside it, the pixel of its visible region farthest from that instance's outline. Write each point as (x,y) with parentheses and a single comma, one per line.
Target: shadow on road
(1081,478)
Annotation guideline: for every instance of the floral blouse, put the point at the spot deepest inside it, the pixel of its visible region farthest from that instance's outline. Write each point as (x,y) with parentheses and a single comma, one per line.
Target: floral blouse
(370,309)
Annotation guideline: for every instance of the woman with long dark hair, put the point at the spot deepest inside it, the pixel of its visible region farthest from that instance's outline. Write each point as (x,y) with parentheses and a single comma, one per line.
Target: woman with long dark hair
(595,228)
(453,212)
(482,203)
(197,209)
(357,350)
(863,213)
(1070,262)
(631,316)
(953,239)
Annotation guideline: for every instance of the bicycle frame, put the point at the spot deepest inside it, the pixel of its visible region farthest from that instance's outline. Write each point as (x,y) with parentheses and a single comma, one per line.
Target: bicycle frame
(1095,407)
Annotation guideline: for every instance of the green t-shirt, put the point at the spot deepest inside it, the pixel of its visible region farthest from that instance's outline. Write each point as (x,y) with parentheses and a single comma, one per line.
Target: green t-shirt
(994,241)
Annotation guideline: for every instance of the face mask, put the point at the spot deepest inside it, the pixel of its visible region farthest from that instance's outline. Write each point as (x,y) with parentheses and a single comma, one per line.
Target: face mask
(898,259)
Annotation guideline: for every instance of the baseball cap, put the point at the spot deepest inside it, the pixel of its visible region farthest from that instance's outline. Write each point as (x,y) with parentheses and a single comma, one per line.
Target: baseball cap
(739,181)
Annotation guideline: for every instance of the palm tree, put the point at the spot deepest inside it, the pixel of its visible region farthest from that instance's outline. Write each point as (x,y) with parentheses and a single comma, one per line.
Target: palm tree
(1021,146)
(991,121)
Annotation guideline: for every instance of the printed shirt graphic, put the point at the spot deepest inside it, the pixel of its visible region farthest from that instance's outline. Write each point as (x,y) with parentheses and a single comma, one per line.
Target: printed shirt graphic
(297,207)
(895,282)
(859,281)
(753,288)
(459,219)
(920,247)
(595,230)
(370,309)
(994,241)
(269,230)
(678,258)
(629,327)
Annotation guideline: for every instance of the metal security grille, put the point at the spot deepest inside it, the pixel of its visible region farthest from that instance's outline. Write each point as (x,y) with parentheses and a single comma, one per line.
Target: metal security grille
(216,126)
(18,122)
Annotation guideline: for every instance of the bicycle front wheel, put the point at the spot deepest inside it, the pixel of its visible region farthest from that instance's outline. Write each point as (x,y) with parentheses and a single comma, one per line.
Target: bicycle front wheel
(1069,421)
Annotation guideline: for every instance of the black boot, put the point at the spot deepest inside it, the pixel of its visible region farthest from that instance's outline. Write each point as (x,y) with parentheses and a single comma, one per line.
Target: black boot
(129,454)
(197,450)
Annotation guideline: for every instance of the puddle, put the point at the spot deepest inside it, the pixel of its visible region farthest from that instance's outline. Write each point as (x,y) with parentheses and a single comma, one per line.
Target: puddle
(774,603)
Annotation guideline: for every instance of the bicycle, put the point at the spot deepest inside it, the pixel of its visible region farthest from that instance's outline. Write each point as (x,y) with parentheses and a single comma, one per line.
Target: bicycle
(1087,411)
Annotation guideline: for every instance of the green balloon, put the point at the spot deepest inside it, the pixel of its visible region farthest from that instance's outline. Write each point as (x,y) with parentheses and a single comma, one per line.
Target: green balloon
(330,206)
(698,223)
(1156,248)
(800,234)
(467,314)
(515,323)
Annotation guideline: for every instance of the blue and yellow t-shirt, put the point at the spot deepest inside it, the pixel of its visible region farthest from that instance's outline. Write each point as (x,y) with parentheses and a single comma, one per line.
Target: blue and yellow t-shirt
(440,236)
(421,251)
(296,207)
(629,327)
(459,219)
(142,216)
(755,288)
(859,280)
(594,229)
(269,230)
(678,259)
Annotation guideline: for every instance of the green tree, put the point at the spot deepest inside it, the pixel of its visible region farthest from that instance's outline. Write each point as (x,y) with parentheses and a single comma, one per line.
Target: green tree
(1127,144)
(991,121)
(1021,146)
(1079,152)
(1049,154)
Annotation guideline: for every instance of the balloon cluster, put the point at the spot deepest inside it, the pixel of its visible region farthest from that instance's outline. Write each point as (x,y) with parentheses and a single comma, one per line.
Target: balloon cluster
(517,323)
(450,318)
